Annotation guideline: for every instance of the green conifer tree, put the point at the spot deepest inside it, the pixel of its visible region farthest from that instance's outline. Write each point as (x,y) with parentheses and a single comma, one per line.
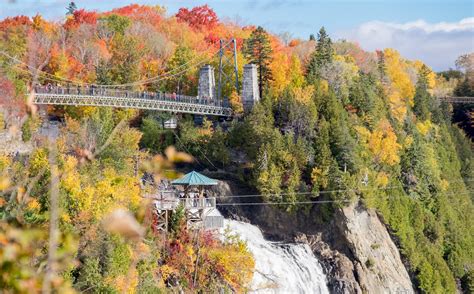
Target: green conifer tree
(422,100)
(258,50)
(71,8)
(321,56)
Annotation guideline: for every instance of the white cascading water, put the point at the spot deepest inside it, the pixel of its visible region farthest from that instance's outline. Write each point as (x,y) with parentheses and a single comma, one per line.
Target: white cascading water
(280,267)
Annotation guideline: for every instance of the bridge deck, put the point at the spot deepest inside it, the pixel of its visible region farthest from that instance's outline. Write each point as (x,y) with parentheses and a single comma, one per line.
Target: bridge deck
(465,100)
(130,99)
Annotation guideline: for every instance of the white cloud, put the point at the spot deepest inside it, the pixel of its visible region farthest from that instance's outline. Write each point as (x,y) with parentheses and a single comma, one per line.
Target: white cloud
(437,44)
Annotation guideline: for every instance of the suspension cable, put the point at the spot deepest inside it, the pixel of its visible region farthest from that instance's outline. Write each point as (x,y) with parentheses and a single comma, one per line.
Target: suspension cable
(163,76)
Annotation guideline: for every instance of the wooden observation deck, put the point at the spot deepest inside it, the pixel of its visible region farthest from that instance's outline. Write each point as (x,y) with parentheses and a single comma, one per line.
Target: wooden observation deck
(200,211)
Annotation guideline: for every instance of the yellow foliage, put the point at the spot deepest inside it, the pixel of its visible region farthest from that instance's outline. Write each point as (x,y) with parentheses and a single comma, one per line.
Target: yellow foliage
(338,57)
(99,197)
(39,24)
(303,94)
(364,133)
(38,161)
(279,68)
(5,162)
(424,127)
(382,179)
(382,143)
(4,183)
(397,105)
(167,271)
(65,218)
(349,59)
(320,177)
(287,71)
(126,283)
(323,86)
(295,74)
(206,129)
(33,204)
(444,185)
(401,90)
(408,141)
(236,103)
(236,264)
(431,76)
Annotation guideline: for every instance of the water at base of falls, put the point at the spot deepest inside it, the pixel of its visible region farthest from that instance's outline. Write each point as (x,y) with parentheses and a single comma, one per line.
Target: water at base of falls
(280,268)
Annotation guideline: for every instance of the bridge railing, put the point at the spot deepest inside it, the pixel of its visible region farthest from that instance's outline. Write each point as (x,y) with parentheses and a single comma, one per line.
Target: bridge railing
(116,93)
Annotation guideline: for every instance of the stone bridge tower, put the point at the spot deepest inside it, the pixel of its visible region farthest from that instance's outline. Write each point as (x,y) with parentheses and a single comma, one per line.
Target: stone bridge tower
(250,92)
(207,82)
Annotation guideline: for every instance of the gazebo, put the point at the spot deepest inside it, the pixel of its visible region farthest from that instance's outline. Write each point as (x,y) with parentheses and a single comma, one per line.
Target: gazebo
(196,206)
(194,180)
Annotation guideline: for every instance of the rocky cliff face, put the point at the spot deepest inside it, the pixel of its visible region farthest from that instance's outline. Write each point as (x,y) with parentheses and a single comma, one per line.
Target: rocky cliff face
(376,260)
(354,246)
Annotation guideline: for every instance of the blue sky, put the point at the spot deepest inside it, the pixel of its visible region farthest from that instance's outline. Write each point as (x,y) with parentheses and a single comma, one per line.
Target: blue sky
(434,31)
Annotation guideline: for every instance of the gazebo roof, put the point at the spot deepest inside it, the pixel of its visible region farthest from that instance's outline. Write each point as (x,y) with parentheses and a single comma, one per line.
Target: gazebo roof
(194,179)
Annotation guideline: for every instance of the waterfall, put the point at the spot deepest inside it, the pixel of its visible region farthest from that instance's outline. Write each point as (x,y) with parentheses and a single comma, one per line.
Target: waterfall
(280,267)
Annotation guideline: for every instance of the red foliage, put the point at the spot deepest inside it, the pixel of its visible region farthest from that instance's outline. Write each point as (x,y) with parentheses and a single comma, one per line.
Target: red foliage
(6,89)
(79,17)
(199,17)
(15,21)
(208,239)
(142,13)
(8,99)
(212,39)
(240,43)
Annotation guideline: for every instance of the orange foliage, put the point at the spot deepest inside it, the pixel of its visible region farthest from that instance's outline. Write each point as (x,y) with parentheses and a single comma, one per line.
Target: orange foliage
(15,21)
(40,24)
(103,50)
(294,43)
(79,17)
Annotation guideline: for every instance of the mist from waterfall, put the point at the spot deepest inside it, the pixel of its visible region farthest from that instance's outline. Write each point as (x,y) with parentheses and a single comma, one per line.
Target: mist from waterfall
(280,267)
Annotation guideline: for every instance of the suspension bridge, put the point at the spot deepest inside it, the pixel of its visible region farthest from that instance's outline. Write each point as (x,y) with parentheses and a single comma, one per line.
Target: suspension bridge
(107,97)
(458,100)
(96,96)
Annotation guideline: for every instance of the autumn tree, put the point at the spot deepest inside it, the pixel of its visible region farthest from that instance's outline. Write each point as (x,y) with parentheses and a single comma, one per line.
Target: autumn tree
(78,17)
(399,86)
(236,103)
(257,49)
(466,63)
(323,55)
(184,83)
(200,17)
